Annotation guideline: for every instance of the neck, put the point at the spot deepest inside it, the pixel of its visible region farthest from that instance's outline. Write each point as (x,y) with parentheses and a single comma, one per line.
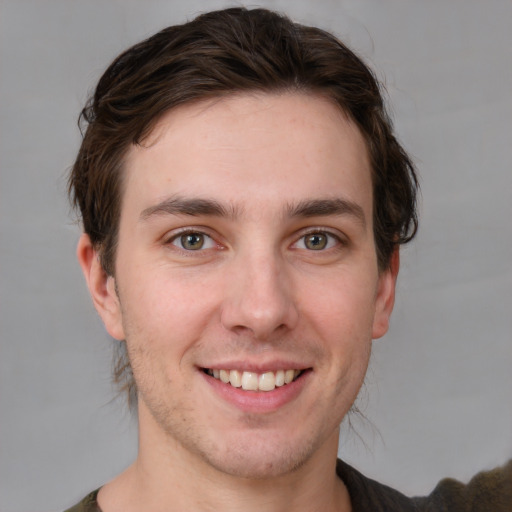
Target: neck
(166,476)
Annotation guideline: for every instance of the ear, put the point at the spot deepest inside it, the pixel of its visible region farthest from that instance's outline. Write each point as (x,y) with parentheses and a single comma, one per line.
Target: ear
(385,299)
(101,286)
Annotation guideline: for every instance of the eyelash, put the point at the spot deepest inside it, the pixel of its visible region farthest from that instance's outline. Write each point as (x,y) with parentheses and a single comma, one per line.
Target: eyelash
(177,236)
(339,241)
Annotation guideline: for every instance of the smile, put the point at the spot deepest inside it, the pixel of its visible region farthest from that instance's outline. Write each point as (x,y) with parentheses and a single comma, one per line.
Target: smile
(252,381)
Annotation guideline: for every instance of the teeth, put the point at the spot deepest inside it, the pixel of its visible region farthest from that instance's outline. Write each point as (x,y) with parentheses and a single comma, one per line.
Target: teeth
(289,375)
(251,381)
(267,381)
(235,378)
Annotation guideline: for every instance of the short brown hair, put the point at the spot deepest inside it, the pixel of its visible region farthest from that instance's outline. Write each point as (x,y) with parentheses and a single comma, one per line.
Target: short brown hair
(220,53)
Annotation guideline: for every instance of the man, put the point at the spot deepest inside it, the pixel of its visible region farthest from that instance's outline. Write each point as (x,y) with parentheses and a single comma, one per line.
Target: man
(243,200)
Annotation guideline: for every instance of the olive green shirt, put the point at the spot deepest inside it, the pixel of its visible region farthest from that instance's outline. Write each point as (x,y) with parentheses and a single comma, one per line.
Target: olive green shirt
(489,491)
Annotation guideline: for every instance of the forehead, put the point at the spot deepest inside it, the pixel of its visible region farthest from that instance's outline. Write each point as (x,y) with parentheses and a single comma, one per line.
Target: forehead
(251,149)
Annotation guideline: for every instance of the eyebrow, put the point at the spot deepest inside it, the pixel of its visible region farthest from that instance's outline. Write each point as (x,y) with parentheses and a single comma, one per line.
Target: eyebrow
(327,207)
(193,207)
(304,209)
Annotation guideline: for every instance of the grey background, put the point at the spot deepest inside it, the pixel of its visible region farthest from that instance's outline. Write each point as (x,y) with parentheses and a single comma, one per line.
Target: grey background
(439,389)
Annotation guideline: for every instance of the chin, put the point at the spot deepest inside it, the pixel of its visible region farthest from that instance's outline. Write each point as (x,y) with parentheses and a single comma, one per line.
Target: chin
(259,459)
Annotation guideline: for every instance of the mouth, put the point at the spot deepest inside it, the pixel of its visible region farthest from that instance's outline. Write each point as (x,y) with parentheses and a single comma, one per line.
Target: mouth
(252,381)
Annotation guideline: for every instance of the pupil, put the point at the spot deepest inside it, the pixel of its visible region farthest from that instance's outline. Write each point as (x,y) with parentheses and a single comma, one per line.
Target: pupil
(316,241)
(192,241)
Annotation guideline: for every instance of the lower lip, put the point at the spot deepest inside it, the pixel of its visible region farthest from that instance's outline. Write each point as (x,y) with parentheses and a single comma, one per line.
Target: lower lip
(258,401)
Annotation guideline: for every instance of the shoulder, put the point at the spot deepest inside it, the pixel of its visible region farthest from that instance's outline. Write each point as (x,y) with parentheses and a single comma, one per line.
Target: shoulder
(487,491)
(88,504)
(368,495)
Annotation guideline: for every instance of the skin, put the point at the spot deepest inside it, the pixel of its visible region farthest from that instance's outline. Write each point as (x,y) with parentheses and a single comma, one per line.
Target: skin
(255,295)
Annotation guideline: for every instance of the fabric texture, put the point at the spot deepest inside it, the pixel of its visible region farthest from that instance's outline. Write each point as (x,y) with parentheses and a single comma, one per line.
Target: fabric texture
(88,504)
(489,491)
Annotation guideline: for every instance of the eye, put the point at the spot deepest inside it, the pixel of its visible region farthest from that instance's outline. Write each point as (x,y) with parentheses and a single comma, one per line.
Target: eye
(317,241)
(193,241)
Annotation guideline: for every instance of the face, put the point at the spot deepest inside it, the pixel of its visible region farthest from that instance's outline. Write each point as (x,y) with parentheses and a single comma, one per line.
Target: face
(247,287)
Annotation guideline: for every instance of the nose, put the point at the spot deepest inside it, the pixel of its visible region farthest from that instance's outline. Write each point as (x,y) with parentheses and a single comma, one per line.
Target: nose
(259,297)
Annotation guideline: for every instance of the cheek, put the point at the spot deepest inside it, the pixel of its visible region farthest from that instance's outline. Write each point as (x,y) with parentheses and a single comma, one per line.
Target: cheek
(166,309)
(342,318)
(342,304)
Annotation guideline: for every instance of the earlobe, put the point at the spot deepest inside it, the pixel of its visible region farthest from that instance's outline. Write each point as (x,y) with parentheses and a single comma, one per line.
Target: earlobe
(386,296)
(101,287)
